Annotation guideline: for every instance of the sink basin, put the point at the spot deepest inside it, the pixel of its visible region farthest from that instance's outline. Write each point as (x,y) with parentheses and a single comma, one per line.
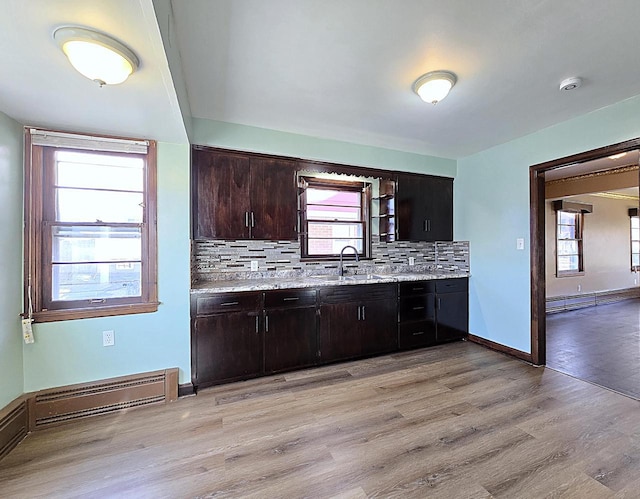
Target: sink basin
(357,277)
(362,277)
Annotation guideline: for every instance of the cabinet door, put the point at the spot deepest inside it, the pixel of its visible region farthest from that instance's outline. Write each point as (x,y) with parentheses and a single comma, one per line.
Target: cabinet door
(378,326)
(273,199)
(340,337)
(220,195)
(440,209)
(452,313)
(424,209)
(411,208)
(228,347)
(290,339)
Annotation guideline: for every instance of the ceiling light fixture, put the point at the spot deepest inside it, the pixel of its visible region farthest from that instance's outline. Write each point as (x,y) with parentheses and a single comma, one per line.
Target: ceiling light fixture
(434,86)
(618,156)
(96,55)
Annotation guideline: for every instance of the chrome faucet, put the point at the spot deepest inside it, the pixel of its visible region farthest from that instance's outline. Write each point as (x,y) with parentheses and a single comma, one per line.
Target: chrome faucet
(341,268)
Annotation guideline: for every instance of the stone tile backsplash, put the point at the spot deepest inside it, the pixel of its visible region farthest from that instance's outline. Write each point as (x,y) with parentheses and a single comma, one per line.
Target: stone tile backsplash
(215,260)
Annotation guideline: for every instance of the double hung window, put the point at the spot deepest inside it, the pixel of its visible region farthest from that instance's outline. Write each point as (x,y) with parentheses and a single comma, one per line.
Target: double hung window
(90,233)
(568,243)
(635,242)
(334,214)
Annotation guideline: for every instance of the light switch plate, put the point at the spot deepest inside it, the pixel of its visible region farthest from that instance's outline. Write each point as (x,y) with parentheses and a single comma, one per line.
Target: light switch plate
(254,265)
(412,261)
(520,243)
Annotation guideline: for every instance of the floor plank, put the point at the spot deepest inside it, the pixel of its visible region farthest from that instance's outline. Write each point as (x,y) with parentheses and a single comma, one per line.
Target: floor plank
(598,344)
(454,421)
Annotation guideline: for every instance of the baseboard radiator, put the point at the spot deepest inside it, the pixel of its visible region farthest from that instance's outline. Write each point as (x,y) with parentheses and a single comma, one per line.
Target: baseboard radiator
(14,425)
(54,406)
(66,403)
(583,300)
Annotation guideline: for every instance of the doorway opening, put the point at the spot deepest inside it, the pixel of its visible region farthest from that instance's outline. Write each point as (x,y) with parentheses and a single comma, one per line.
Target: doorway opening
(564,193)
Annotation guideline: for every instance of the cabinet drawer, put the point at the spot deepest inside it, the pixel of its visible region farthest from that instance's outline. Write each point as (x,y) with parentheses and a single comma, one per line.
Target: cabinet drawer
(227,302)
(417,308)
(416,288)
(416,334)
(356,293)
(452,285)
(290,298)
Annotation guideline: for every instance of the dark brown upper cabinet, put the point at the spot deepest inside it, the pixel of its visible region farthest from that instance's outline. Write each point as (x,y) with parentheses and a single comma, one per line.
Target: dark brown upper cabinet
(424,208)
(243,196)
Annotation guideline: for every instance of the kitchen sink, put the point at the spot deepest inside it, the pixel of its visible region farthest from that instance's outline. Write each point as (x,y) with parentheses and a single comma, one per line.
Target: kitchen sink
(356,277)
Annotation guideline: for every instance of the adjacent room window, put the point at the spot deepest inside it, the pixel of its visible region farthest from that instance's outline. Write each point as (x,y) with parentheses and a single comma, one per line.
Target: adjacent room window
(90,237)
(334,214)
(635,243)
(568,243)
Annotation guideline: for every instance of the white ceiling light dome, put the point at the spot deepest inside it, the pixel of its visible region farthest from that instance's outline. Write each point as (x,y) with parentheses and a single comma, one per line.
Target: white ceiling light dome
(434,86)
(95,55)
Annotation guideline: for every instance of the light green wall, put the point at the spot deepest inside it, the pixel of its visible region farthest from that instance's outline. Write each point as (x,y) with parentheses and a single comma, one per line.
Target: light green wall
(11,380)
(71,351)
(248,138)
(491,194)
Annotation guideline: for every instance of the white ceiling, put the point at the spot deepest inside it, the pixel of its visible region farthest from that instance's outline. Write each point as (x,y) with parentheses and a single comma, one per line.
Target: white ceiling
(39,87)
(339,69)
(343,69)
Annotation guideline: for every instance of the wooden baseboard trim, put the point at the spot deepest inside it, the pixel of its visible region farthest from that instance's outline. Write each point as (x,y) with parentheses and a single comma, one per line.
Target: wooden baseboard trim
(518,354)
(186,389)
(14,424)
(68,403)
(593,299)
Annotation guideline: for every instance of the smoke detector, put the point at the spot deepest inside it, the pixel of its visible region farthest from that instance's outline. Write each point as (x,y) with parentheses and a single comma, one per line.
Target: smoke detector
(571,83)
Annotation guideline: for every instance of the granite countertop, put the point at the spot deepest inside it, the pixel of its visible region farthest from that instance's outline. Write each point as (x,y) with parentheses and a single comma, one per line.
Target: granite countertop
(266,284)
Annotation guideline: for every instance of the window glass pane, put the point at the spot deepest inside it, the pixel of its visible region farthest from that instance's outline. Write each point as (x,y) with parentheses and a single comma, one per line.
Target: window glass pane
(74,205)
(568,263)
(566,232)
(567,218)
(635,259)
(96,244)
(95,281)
(567,247)
(333,197)
(334,246)
(635,222)
(328,230)
(81,169)
(315,212)
(635,247)
(635,234)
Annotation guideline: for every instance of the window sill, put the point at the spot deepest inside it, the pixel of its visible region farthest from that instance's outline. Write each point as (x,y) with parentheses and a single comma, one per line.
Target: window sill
(570,274)
(88,313)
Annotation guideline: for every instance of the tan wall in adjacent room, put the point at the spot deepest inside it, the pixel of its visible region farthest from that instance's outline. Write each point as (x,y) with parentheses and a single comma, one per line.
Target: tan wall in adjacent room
(606,247)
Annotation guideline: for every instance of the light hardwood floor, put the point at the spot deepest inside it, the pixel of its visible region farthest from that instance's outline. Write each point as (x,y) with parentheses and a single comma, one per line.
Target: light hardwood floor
(454,421)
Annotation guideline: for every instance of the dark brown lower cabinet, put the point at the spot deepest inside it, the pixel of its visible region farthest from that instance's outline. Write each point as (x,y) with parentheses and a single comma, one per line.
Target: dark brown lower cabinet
(416,314)
(356,321)
(290,335)
(238,336)
(228,347)
(452,308)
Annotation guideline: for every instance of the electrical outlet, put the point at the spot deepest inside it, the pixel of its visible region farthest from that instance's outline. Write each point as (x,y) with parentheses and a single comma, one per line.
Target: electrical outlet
(254,265)
(579,288)
(412,261)
(108,338)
